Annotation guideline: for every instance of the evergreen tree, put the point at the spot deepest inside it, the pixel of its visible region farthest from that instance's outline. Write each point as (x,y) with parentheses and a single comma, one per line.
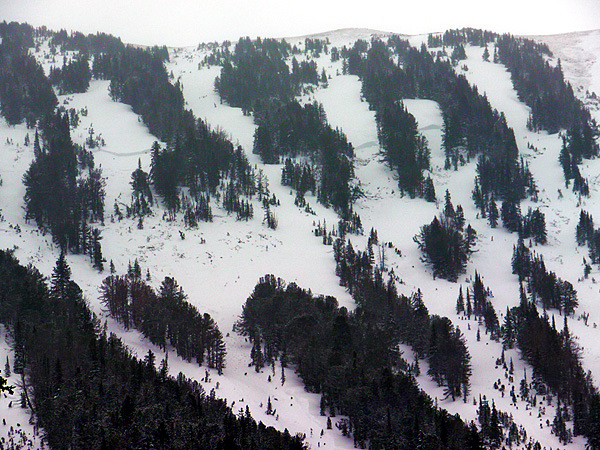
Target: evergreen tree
(493,213)
(460,303)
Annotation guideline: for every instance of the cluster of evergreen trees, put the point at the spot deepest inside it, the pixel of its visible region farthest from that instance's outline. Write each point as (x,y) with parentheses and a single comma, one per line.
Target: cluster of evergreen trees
(141,194)
(404,148)
(545,286)
(539,85)
(73,77)
(25,92)
(477,303)
(299,176)
(87,391)
(90,44)
(453,38)
(138,78)
(203,162)
(445,243)
(58,196)
(543,88)
(394,70)
(256,77)
(555,359)
(352,359)
(502,179)
(553,104)
(579,143)
(164,317)
(431,337)
(532,225)
(585,233)
(294,130)
(257,72)
(196,156)
(316,46)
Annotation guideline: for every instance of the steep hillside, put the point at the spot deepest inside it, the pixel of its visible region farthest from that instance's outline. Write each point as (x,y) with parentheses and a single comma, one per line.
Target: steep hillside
(218,263)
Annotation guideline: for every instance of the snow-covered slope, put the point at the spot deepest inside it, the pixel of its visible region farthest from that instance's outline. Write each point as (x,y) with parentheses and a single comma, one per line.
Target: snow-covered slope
(219,263)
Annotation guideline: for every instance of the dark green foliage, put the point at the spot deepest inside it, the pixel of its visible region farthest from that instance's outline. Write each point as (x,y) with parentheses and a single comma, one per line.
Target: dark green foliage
(429,190)
(92,44)
(56,198)
(471,126)
(505,179)
(493,214)
(73,77)
(164,317)
(459,37)
(445,244)
(586,234)
(405,150)
(555,359)
(449,360)
(201,161)
(141,195)
(269,219)
(545,286)
(511,215)
(350,359)
(458,53)
(293,130)
(299,176)
(25,92)
(232,203)
(579,143)
(196,156)
(482,307)
(534,225)
(138,78)
(256,72)
(316,46)
(89,392)
(541,86)
(379,301)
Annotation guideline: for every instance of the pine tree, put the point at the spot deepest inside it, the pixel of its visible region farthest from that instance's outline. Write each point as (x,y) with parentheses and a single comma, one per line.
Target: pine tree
(493,213)
(219,351)
(429,190)
(256,354)
(460,303)
(61,276)
(486,54)
(7,369)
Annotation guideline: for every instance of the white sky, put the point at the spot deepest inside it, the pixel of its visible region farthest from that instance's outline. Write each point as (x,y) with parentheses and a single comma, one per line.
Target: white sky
(188,22)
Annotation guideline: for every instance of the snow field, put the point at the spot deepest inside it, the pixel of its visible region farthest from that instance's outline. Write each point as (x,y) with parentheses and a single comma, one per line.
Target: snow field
(219,263)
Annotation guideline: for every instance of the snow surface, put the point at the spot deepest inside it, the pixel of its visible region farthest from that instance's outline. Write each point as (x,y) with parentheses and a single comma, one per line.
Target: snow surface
(219,263)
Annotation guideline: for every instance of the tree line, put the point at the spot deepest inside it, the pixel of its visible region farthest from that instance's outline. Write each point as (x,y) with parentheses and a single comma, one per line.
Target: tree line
(351,359)
(471,126)
(295,130)
(445,243)
(165,317)
(256,72)
(556,361)
(86,390)
(64,192)
(544,286)
(25,92)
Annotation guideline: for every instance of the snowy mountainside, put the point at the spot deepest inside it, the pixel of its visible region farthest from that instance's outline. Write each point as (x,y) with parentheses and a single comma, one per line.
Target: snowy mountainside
(579,54)
(219,263)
